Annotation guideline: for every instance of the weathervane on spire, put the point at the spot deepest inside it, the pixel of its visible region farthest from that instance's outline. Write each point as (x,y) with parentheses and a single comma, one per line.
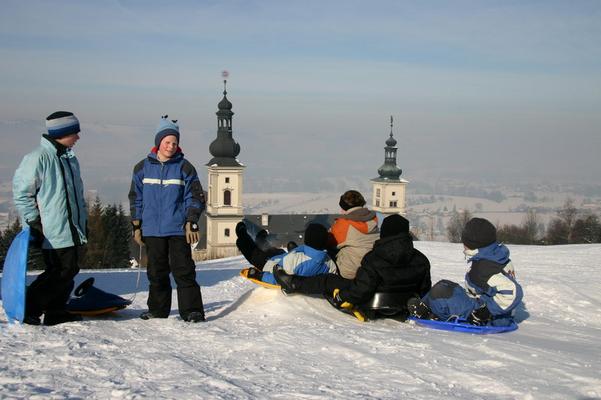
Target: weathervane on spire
(224,74)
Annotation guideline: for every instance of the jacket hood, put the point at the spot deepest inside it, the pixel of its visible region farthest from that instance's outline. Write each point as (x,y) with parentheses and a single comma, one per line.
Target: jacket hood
(61,150)
(394,248)
(495,252)
(360,214)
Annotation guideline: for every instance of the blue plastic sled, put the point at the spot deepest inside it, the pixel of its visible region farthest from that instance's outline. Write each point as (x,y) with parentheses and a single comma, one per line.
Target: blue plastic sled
(462,326)
(91,301)
(14,277)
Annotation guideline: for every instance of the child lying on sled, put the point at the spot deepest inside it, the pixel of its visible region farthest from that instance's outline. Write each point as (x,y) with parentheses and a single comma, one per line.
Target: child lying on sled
(492,293)
(305,260)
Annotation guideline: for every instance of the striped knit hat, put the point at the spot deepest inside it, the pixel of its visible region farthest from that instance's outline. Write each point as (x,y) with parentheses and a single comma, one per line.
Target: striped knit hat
(62,123)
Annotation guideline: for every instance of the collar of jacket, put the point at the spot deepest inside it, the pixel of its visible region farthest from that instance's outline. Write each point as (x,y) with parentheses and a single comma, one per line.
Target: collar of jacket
(496,252)
(60,149)
(360,214)
(152,156)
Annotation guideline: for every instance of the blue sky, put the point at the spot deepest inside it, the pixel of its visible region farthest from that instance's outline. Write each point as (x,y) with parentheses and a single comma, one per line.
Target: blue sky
(513,86)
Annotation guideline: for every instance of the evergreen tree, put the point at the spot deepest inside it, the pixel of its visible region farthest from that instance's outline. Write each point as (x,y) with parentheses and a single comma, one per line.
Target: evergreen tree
(108,237)
(109,214)
(121,234)
(6,238)
(96,236)
(117,239)
(586,230)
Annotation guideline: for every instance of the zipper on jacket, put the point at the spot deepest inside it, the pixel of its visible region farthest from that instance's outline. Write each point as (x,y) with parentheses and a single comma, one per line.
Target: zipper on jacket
(72,228)
(78,219)
(161,197)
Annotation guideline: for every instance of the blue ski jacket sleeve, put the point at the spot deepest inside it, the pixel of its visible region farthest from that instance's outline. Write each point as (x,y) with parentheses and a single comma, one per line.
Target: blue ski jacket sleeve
(495,285)
(47,185)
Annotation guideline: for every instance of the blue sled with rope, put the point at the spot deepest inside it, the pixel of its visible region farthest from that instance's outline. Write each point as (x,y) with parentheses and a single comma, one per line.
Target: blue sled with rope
(458,325)
(88,300)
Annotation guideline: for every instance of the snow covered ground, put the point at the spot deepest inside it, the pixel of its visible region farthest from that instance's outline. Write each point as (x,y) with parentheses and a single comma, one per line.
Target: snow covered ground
(258,343)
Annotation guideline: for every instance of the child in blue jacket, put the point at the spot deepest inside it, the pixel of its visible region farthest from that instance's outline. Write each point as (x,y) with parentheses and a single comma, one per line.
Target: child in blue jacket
(308,259)
(491,292)
(166,201)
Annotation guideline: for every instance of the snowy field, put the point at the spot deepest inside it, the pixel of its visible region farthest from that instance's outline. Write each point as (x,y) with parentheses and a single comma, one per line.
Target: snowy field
(258,343)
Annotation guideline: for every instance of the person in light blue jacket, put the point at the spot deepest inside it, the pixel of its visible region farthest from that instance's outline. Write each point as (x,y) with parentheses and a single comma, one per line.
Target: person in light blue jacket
(49,196)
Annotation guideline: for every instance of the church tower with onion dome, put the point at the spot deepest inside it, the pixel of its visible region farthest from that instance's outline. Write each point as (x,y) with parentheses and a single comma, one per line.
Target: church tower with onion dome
(225,185)
(389,188)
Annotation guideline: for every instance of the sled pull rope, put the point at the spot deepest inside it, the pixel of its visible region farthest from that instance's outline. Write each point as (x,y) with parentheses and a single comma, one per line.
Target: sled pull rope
(138,278)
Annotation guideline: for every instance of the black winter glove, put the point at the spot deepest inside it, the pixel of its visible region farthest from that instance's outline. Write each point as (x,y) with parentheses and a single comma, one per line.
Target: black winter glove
(36,232)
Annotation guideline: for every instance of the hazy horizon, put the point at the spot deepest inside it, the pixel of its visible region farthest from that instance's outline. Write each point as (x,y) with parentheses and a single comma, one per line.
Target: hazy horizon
(495,91)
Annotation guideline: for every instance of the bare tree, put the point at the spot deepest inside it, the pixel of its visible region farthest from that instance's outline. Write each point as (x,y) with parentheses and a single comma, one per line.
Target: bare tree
(568,214)
(456,225)
(530,225)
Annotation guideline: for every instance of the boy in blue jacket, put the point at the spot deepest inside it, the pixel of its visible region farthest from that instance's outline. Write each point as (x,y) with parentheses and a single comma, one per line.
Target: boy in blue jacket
(491,292)
(166,200)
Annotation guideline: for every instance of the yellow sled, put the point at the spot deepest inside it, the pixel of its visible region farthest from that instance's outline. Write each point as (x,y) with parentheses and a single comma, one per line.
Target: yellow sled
(244,274)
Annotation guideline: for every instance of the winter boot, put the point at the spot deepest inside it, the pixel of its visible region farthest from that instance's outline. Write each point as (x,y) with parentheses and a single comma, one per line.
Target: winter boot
(418,309)
(32,320)
(240,229)
(285,280)
(146,315)
(59,317)
(195,316)
(254,273)
(480,316)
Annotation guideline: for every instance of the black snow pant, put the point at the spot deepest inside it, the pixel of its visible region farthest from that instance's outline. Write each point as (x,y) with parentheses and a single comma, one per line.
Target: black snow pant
(253,254)
(171,254)
(51,290)
(323,284)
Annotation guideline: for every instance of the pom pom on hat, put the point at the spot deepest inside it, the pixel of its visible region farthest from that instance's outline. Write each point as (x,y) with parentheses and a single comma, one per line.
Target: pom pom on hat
(478,233)
(62,123)
(166,127)
(394,225)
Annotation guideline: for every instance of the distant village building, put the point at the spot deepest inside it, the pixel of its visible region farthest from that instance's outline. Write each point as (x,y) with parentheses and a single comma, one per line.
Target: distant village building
(388,195)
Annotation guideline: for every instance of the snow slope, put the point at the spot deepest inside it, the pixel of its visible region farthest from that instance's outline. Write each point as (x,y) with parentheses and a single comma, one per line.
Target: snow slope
(258,343)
